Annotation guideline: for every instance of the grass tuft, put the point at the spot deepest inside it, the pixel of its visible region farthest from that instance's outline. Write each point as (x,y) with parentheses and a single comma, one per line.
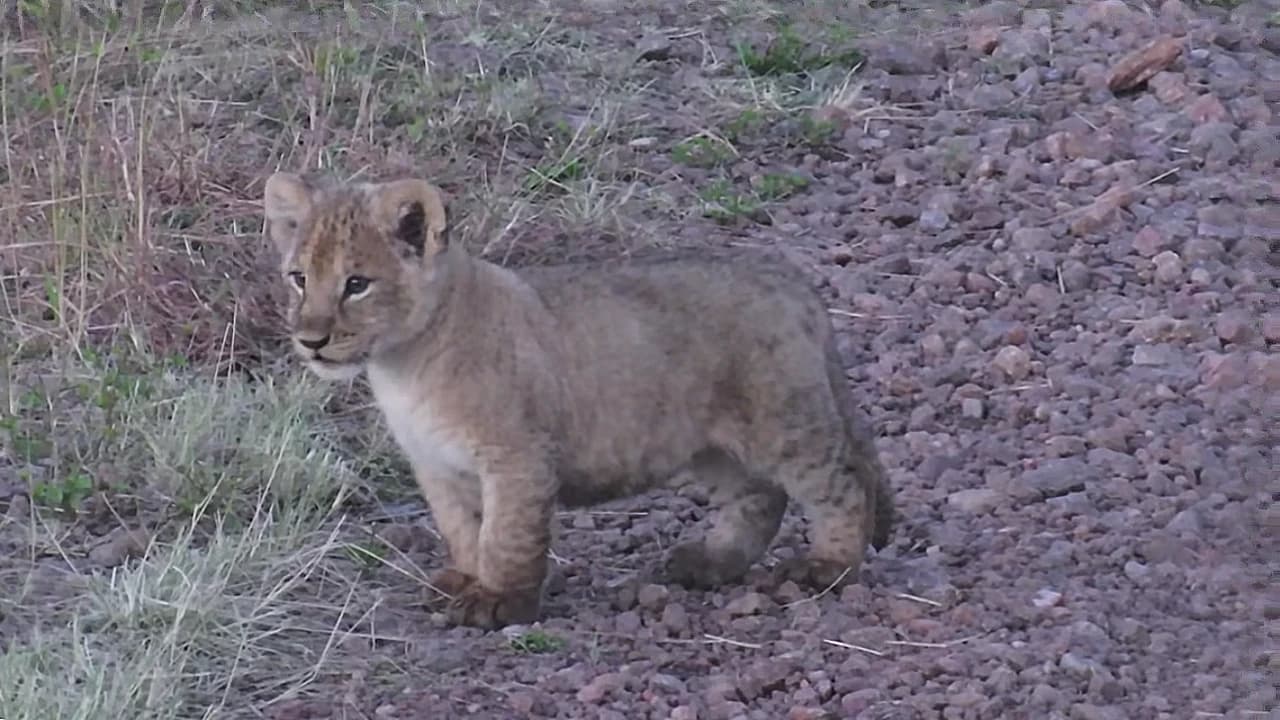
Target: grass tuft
(788,53)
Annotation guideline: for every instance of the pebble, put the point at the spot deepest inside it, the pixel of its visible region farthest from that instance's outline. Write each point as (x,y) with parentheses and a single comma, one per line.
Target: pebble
(972,408)
(752,603)
(1046,598)
(1168,267)
(1271,327)
(119,547)
(1013,362)
(974,500)
(1148,242)
(1234,326)
(600,687)
(652,597)
(933,220)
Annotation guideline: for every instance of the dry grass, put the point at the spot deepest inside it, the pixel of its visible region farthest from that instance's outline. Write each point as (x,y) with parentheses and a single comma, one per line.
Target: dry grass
(143,393)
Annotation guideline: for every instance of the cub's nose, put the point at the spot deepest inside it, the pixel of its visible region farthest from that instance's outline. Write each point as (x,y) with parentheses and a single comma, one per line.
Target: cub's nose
(313,343)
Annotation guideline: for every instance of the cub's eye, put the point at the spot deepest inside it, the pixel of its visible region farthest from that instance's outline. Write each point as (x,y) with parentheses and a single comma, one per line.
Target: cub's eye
(299,280)
(356,285)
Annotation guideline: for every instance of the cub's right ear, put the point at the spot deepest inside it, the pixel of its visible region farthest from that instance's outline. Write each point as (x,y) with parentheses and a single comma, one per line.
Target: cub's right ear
(286,201)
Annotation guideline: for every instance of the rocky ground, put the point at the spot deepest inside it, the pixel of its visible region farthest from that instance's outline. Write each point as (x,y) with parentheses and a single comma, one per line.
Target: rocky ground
(1055,273)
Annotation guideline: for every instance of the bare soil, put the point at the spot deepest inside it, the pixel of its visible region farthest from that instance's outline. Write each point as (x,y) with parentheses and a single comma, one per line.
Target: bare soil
(1058,304)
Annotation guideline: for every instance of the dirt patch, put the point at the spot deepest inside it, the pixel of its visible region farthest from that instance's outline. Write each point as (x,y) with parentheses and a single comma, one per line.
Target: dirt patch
(1057,303)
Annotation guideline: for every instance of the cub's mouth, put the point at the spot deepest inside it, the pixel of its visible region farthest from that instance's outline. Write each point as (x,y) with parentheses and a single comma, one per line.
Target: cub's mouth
(330,369)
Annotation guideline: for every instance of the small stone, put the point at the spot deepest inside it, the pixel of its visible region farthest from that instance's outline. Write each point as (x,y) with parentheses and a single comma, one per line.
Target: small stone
(933,344)
(1168,267)
(965,699)
(983,40)
(652,597)
(1170,88)
(1056,477)
(1186,521)
(856,703)
(599,688)
(1099,212)
(1151,355)
(19,511)
(1234,326)
(1136,571)
(1223,371)
(654,46)
(1066,445)
(669,684)
(972,408)
(806,713)
(1271,327)
(675,618)
(387,710)
(684,712)
(752,603)
(627,622)
(1046,598)
(1148,242)
(1029,240)
(1205,109)
(1264,368)
(120,547)
(522,701)
(1219,221)
(908,58)
(1076,276)
(1140,65)
(1086,711)
(1013,361)
(934,220)
(1108,14)
(1174,10)
(1076,664)
(974,500)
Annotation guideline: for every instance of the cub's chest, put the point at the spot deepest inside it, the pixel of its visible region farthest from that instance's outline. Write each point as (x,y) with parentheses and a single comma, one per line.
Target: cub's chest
(431,439)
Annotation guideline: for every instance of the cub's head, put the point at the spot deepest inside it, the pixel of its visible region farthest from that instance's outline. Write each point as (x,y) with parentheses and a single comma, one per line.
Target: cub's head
(360,260)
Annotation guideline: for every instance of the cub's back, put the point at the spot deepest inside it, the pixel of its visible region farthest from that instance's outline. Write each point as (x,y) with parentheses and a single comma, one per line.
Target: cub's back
(674,302)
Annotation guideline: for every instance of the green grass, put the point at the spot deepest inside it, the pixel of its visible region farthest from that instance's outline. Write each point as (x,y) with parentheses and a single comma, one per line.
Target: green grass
(789,53)
(536,642)
(726,202)
(702,151)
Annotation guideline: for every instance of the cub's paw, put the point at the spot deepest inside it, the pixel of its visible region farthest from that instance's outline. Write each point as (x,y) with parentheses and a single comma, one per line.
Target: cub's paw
(478,606)
(817,573)
(692,566)
(450,582)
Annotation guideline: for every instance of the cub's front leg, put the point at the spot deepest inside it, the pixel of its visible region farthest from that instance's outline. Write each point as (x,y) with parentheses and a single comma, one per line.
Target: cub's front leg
(454,500)
(518,502)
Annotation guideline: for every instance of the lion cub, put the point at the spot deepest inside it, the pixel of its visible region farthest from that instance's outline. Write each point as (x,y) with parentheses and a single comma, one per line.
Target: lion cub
(512,392)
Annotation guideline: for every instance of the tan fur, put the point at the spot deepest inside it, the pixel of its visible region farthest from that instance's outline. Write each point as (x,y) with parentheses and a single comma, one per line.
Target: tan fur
(512,393)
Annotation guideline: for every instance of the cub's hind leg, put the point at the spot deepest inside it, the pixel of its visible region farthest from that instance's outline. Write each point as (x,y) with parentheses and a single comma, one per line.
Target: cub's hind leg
(840,501)
(747,513)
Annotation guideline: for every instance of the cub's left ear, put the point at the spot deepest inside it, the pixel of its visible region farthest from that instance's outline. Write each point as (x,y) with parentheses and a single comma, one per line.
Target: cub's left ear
(413,211)
(286,202)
